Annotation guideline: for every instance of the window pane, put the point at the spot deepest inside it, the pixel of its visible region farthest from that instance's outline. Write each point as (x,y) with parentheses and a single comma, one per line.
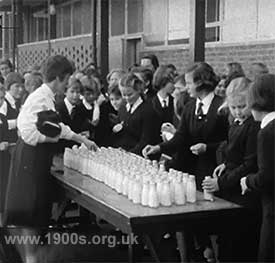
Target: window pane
(117,17)
(212,10)
(32,29)
(58,23)
(86,16)
(212,34)
(155,17)
(178,30)
(135,16)
(40,29)
(77,16)
(66,21)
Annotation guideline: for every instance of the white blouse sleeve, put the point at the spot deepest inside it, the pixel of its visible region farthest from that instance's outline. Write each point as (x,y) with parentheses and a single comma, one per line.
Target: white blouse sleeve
(26,122)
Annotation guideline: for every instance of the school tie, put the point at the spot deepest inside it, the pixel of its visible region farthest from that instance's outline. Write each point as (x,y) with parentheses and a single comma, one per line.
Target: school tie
(73,112)
(164,104)
(199,111)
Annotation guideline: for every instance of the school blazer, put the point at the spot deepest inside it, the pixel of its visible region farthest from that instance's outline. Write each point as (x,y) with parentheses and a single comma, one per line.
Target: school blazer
(263,181)
(163,115)
(66,118)
(139,128)
(212,130)
(241,159)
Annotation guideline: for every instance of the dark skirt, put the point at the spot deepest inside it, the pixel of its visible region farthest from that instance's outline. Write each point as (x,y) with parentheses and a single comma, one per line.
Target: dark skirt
(30,185)
(4,171)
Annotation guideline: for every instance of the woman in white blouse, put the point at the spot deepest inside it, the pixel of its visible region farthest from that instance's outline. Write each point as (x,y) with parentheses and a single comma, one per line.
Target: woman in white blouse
(30,188)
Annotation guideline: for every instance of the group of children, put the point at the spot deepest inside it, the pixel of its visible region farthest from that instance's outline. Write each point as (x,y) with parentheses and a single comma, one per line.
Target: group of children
(204,123)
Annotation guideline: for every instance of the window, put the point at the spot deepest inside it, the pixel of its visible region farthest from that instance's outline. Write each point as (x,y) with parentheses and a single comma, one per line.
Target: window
(66,25)
(135,16)
(117,17)
(212,18)
(86,16)
(77,18)
(155,22)
(178,22)
(74,18)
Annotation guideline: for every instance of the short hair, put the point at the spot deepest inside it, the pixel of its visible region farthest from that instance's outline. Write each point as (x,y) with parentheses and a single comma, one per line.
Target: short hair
(153,58)
(35,79)
(119,71)
(180,79)
(146,73)
(203,73)
(114,89)
(6,62)
(57,66)
(74,83)
(90,85)
(132,81)
(263,67)
(261,95)
(162,76)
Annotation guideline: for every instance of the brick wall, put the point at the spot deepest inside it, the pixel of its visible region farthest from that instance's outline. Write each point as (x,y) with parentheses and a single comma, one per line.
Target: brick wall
(219,55)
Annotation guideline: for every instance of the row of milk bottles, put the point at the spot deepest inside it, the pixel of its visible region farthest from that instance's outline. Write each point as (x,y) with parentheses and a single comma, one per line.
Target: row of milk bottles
(143,181)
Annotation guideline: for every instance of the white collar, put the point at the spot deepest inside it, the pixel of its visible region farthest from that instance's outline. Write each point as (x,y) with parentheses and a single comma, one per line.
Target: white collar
(87,105)
(10,99)
(135,105)
(69,105)
(161,100)
(206,102)
(4,108)
(267,119)
(49,91)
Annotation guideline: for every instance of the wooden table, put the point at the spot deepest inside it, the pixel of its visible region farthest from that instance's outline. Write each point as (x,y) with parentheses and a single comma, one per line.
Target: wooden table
(132,218)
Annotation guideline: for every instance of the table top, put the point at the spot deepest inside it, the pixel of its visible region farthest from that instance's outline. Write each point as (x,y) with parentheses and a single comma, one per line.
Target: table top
(117,209)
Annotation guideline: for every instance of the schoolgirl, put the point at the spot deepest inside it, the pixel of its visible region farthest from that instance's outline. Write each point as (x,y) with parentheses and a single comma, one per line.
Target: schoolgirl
(201,129)
(29,192)
(163,102)
(261,99)
(138,117)
(240,160)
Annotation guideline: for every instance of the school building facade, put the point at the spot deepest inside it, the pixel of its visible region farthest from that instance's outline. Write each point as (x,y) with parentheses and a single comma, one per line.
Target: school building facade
(115,33)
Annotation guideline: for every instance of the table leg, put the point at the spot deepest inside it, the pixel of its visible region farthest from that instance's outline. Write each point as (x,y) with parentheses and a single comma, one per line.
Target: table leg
(181,242)
(151,247)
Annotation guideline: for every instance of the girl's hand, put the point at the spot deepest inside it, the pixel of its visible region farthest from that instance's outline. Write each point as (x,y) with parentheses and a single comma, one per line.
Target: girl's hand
(86,134)
(90,144)
(4,146)
(198,148)
(210,184)
(168,127)
(219,170)
(150,149)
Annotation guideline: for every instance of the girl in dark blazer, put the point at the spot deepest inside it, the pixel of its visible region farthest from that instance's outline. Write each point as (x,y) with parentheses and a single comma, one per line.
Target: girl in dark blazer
(240,160)
(163,102)
(201,129)
(139,119)
(68,111)
(261,98)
